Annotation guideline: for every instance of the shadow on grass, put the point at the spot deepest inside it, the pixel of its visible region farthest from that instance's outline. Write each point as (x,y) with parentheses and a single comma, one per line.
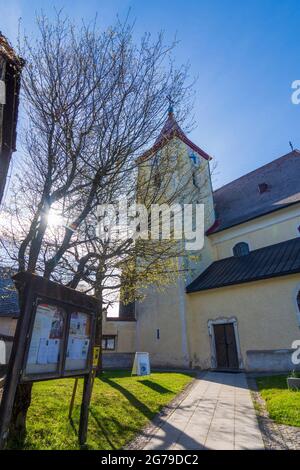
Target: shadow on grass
(115,432)
(272,382)
(72,424)
(154,386)
(76,433)
(115,374)
(139,405)
(107,378)
(160,442)
(102,429)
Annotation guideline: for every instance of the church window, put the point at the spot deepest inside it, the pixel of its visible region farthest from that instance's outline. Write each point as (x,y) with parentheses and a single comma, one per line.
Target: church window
(241,249)
(156,171)
(157,179)
(298,307)
(194,158)
(263,187)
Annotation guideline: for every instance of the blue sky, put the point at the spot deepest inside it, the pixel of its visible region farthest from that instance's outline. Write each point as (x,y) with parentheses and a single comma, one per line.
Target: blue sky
(244,52)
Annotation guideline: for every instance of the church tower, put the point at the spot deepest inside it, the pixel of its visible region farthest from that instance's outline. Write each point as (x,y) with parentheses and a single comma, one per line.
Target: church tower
(161,316)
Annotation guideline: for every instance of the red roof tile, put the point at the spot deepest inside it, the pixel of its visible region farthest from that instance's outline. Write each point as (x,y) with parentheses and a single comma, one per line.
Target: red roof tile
(172,129)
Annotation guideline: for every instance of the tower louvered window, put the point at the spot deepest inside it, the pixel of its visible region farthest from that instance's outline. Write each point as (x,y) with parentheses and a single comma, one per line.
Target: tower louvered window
(241,249)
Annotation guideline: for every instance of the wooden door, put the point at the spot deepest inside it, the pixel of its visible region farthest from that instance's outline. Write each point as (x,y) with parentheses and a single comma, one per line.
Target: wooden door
(226,349)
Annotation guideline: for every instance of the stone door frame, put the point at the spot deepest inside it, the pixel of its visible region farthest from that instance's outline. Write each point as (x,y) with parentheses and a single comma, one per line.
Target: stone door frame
(222,321)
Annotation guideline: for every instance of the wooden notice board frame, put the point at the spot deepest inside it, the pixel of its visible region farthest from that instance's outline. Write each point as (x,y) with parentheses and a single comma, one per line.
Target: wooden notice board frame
(33,290)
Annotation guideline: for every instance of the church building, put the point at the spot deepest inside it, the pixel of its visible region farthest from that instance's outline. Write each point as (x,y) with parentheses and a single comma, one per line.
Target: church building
(240,307)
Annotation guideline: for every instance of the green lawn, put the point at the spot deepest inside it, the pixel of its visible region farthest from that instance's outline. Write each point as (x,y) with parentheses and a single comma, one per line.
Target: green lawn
(283,405)
(121,405)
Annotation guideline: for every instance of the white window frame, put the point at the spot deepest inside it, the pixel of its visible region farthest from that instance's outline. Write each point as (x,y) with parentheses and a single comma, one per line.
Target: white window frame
(105,338)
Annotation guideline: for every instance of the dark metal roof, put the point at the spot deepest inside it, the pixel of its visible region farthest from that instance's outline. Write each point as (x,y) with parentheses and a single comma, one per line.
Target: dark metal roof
(271,261)
(241,199)
(9,305)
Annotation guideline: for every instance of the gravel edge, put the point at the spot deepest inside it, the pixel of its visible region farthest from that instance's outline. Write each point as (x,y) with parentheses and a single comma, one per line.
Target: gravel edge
(275,436)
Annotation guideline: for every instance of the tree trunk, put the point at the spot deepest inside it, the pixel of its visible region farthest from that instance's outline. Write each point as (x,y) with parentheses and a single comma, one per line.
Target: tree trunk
(17,429)
(98,339)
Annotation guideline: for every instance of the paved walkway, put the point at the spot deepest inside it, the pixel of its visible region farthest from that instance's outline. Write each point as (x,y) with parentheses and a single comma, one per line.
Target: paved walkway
(218,413)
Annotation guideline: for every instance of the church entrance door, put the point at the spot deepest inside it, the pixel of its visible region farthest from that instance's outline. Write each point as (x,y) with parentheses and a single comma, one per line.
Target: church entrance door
(226,349)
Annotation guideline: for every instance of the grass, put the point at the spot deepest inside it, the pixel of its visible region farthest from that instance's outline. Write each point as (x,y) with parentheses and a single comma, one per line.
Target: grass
(121,405)
(283,405)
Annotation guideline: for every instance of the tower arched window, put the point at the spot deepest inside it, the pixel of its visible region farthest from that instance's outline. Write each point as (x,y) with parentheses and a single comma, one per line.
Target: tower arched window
(241,249)
(194,178)
(157,179)
(195,159)
(298,306)
(156,171)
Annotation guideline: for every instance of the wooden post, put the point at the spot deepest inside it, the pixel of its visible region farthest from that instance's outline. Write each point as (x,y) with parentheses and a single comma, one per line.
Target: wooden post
(87,392)
(73,398)
(84,412)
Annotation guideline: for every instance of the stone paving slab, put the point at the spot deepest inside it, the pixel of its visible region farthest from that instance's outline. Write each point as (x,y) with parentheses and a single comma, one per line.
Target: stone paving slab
(217,413)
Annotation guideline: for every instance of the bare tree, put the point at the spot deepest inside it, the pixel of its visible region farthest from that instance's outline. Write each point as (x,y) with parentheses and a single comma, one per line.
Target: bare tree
(94,100)
(123,267)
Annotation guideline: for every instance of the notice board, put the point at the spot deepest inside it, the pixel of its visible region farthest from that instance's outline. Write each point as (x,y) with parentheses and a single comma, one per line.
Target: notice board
(55,338)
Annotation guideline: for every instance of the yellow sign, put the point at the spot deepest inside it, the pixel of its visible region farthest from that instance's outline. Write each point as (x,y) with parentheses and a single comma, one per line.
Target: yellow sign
(96,354)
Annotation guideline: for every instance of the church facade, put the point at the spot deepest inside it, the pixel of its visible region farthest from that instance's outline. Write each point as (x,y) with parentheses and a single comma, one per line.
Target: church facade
(240,306)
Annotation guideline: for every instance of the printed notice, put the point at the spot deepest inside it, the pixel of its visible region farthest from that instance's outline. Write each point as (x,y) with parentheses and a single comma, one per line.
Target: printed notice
(53,351)
(78,341)
(44,350)
(34,349)
(78,348)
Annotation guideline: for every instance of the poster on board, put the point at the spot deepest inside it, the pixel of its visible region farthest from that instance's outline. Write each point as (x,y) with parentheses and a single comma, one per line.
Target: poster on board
(47,334)
(78,341)
(141,364)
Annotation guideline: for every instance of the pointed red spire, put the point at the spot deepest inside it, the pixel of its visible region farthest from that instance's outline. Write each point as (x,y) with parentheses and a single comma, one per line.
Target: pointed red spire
(170,126)
(172,129)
